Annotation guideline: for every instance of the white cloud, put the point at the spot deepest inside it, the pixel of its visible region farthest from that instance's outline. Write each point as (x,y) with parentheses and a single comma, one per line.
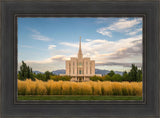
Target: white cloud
(34,31)
(103,31)
(69,44)
(50,47)
(135,31)
(58,57)
(48,60)
(88,40)
(38,36)
(122,25)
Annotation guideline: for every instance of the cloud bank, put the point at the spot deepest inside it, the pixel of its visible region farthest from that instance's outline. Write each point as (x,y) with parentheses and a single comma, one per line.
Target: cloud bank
(122,25)
(104,52)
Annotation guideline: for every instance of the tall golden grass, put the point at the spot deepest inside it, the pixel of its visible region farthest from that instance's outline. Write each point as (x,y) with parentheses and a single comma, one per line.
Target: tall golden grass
(38,87)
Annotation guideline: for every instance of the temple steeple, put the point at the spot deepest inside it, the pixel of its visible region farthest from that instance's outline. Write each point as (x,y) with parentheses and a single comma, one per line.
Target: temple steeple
(80,55)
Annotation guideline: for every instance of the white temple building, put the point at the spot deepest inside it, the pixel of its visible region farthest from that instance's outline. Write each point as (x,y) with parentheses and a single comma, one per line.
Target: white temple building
(80,69)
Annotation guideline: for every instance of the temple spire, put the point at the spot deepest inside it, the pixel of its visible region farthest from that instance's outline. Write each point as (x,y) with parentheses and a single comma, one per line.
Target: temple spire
(80,43)
(80,51)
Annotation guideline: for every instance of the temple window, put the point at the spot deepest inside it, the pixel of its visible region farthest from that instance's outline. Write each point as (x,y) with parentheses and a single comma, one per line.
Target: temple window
(80,63)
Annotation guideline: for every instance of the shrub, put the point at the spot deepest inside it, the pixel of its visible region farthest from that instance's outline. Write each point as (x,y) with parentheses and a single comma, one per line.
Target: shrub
(94,78)
(60,78)
(107,78)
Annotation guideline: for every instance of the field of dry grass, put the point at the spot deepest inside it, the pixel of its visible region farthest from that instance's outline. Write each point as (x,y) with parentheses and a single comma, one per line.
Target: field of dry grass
(51,87)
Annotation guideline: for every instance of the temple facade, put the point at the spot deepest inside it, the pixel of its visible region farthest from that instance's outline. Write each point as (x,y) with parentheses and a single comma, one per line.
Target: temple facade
(80,68)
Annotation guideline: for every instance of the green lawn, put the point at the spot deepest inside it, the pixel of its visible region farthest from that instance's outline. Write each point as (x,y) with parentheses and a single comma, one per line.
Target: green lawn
(71,97)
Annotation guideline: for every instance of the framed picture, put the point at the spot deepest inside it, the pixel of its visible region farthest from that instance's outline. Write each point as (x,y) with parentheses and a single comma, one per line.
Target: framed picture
(80,59)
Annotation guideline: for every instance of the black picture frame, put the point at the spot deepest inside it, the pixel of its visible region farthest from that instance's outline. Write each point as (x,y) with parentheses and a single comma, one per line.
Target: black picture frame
(149,107)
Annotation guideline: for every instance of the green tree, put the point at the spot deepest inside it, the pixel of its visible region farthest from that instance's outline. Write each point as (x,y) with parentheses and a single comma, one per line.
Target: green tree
(47,75)
(111,73)
(135,74)
(65,78)
(139,75)
(107,78)
(25,72)
(40,76)
(116,77)
(125,76)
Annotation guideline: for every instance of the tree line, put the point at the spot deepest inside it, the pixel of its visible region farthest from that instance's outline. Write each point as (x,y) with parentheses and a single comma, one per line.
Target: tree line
(134,74)
(26,72)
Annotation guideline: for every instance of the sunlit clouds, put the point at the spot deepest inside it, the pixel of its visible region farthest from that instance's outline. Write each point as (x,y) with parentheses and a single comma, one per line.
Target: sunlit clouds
(122,25)
(50,47)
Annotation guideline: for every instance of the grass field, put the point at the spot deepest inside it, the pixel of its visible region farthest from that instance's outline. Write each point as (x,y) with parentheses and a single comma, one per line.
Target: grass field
(77,97)
(91,88)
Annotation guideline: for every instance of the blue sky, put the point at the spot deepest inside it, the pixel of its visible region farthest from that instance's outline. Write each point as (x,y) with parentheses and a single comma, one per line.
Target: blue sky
(114,43)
